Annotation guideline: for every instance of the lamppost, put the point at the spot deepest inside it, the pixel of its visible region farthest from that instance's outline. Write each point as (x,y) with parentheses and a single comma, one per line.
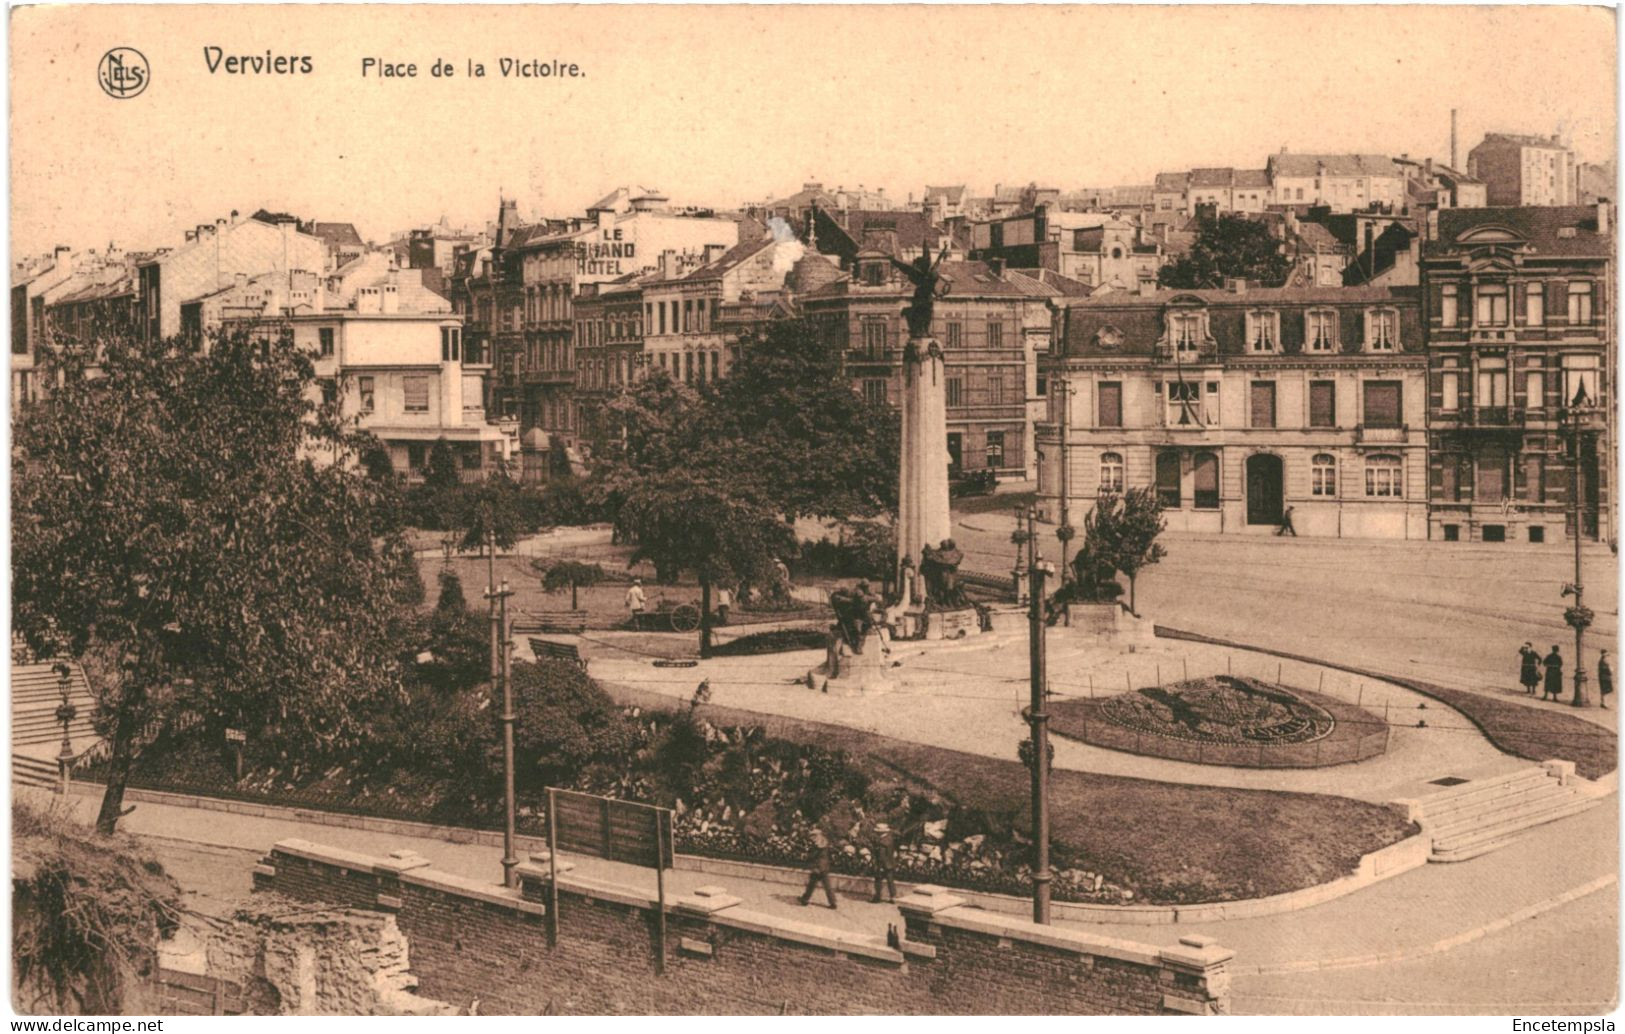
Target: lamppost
(1065,531)
(65,713)
(1038,717)
(1579,616)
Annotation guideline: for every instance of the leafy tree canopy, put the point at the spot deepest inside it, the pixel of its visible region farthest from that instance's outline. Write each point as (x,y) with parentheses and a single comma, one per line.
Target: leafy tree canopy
(199,530)
(1230,246)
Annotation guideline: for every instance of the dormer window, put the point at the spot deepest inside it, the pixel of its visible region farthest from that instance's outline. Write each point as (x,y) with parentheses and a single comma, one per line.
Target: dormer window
(1263,330)
(1186,331)
(1320,330)
(1381,330)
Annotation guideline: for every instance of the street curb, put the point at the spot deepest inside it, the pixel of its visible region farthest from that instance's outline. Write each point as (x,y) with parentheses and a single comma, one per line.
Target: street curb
(1442,945)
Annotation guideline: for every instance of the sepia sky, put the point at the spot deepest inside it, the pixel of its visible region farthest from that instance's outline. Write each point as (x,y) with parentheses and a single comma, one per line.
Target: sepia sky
(719,106)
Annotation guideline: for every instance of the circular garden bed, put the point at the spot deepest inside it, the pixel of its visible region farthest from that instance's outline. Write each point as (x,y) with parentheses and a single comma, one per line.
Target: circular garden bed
(1224,720)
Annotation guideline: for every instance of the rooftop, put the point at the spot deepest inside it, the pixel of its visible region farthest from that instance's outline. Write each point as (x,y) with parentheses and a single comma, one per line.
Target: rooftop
(1304,165)
(1543,228)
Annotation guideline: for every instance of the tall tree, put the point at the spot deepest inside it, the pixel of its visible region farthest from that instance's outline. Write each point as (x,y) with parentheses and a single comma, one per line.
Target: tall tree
(1228,247)
(705,525)
(490,511)
(180,524)
(1121,531)
(787,420)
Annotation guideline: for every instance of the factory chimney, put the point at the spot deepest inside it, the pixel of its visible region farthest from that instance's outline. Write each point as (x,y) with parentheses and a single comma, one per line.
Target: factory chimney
(1454,164)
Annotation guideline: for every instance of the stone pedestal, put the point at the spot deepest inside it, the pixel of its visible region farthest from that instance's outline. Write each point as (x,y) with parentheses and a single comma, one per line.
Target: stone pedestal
(951,624)
(848,673)
(1008,619)
(1109,622)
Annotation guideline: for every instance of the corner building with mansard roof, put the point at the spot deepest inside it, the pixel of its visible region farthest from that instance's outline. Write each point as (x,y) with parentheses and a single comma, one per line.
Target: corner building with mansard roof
(1236,403)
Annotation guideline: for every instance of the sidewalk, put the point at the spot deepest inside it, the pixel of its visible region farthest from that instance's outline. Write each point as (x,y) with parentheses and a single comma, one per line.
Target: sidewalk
(1410,914)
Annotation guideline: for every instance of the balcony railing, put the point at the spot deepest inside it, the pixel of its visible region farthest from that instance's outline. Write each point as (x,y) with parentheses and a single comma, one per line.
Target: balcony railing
(1381,435)
(1495,416)
(1167,353)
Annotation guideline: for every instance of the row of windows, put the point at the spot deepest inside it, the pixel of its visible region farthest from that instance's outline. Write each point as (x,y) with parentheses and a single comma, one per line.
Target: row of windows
(1493,378)
(1488,477)
(592,333)
(1196,404)
(1188,331)
(543,302)
(1492,306)
(1384,477)
(877,335)
(691,318)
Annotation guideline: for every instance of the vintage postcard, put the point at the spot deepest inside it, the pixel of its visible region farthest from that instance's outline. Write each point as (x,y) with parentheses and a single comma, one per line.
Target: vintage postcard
(767,510)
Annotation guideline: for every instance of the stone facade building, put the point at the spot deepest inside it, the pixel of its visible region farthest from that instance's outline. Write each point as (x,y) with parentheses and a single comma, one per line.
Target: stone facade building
(1519,320)
(992,324)
(1522,169)
(1235,404)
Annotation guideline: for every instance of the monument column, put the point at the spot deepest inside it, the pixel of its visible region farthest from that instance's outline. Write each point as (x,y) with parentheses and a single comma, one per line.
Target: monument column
(922,518)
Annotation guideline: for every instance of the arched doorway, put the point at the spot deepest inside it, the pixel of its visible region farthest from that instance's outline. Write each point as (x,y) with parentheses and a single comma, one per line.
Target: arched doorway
(1263,489)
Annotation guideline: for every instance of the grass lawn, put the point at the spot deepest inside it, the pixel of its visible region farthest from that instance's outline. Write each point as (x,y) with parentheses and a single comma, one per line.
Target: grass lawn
(998,502)
(605,603)
(1537,734)
(1531,732)
(1172,842)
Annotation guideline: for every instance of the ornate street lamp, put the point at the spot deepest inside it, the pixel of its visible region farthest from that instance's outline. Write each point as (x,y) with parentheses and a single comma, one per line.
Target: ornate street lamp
(65,713)
(1579,616)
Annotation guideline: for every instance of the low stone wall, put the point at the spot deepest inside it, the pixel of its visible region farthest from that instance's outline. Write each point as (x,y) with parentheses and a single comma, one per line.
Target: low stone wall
(498,951)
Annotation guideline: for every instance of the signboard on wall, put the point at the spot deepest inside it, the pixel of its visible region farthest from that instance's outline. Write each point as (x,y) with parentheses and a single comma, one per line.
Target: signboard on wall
(615,830)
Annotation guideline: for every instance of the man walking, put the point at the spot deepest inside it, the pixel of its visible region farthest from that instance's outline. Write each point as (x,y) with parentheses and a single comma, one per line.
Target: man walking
(1529,674)
(883,847)
(1605,679)
(1554,675)
(818,870)
(1286,527)
(725,600)
(635,602)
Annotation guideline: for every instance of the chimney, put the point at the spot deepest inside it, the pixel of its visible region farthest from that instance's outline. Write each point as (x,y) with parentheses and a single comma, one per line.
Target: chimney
(1236,285)
(191,235)
(1453,162)
(220,222)
(242,279)
(1433,224)
(1147,288)
(668,264)
(996,265)
(1427,169)
(1602,216)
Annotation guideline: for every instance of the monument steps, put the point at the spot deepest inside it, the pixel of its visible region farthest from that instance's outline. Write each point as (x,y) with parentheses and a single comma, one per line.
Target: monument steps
(27,771)
(1466,823)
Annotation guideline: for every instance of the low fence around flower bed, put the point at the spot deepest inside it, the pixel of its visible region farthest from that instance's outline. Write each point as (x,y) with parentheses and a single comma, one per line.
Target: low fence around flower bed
(1337,749)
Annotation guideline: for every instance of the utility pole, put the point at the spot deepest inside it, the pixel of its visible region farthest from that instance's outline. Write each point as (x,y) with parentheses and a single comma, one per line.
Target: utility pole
(1038,717)
(497,597)
(1577,616)
(1064,532)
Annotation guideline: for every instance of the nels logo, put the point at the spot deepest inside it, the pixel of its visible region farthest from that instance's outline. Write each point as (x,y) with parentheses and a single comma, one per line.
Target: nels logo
(123,73)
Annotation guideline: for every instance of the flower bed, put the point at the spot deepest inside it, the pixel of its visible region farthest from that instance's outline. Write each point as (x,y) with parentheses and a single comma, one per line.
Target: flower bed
(1227,721)
(779,640)
(1537,734)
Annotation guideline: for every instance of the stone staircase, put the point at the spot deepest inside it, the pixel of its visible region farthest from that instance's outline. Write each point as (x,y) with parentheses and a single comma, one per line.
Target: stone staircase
(36,735)
(1481,815)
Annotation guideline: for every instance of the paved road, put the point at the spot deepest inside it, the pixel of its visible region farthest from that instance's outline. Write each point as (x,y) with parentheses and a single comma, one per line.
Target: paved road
(1454,613)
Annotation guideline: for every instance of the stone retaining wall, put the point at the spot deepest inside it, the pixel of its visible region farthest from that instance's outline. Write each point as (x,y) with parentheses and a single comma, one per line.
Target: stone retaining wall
(474,941)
